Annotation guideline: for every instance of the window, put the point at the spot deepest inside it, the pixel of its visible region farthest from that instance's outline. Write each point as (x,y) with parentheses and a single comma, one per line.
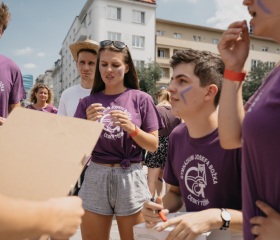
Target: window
(215,41)
(138,41)
(252,47)
(89,17)
(254,63)
(197,38)
(278,50)
(177,35)
(270,64)
(160,33)
(139,63)
(83,23)
(138,16)
(114,36)
(165,72)
(265,49)
(114,13)
(161,53)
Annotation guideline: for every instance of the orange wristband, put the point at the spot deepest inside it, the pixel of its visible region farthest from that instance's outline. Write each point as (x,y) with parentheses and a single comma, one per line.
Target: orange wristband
(234,76)
(135,133)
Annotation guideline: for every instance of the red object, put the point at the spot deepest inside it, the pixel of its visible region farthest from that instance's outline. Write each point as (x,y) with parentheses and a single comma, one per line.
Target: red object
(234,76)
(135,133)
(162,216)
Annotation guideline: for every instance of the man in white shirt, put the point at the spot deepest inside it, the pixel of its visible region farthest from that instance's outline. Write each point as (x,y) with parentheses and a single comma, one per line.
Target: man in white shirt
(85,55)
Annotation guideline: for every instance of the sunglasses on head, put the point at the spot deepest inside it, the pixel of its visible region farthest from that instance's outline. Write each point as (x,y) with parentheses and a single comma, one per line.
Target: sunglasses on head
(117,44)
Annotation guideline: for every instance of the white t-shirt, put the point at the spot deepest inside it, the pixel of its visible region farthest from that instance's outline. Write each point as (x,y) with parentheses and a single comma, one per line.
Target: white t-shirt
(70,98)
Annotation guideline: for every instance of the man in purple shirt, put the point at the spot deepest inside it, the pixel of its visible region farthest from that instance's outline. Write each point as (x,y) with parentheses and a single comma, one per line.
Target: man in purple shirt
(202,175)
(11,82)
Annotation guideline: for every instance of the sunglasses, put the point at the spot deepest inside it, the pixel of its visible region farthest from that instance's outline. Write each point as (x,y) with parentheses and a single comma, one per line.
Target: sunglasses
(117,44)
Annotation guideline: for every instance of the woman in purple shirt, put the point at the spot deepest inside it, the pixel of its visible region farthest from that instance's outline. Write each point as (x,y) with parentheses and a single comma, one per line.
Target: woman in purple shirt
(115,183)
(41,97)
(255,127)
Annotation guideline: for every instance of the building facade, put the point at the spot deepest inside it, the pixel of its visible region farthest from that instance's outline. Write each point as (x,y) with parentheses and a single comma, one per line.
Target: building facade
(129,21)
(149,39)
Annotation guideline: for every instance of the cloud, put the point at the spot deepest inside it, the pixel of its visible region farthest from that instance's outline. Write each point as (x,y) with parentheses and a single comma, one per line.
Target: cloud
(228,11)
(24,51)
(30,66)
(183,1)
(41,54)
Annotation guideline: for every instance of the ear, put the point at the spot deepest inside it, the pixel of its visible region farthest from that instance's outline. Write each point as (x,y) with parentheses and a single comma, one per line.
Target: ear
(126,68)
(211,92)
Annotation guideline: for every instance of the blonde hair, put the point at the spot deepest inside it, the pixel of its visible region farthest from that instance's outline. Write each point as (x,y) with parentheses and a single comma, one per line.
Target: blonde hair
(163,95)
(36,88)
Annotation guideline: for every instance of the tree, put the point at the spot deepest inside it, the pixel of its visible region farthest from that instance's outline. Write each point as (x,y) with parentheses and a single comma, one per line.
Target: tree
(254,79)
(148,77)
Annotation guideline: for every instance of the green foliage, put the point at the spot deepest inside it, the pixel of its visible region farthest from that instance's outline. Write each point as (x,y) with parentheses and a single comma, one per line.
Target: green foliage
(254,79)
(148,76)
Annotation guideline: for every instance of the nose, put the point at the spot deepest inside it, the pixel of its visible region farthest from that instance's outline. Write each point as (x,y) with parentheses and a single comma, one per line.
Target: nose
(247,2)
(171,87)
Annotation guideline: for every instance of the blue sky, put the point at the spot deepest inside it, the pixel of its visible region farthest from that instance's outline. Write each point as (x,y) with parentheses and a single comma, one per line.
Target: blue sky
(38,27)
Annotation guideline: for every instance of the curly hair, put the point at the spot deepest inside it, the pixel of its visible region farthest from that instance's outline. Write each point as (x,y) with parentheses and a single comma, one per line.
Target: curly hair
(5,16)
(209,67)
(36,88)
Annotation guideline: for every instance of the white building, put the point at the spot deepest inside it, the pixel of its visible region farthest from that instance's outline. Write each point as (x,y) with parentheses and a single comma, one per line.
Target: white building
(129,21)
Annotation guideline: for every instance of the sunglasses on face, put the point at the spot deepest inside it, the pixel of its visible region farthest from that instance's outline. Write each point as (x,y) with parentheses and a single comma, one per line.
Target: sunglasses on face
(116,44)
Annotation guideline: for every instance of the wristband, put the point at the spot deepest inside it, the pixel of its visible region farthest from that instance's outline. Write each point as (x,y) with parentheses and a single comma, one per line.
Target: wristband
(234,76)
(135,133)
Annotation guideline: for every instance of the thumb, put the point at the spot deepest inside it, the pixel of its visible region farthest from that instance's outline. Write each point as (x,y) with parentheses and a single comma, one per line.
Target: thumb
(159,200)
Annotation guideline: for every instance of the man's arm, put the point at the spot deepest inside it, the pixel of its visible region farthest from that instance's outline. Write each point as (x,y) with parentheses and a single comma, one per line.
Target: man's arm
(12,106)
(58,217)
(172,200)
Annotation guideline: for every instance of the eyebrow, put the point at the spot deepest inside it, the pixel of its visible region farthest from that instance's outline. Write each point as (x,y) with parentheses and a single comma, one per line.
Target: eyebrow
(181,75)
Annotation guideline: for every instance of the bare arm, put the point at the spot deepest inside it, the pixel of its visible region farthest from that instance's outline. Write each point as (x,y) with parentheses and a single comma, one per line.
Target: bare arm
(57,217)
(234,49)
(172,200)
(12,106)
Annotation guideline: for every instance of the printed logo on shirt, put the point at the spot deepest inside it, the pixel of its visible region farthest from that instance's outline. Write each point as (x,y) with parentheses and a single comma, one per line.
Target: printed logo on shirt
(255,101)
(195,178)
(111,131)
(2,89)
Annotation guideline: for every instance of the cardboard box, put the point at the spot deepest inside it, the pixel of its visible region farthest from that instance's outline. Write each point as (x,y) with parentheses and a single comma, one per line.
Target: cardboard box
(142,233)
(41,153)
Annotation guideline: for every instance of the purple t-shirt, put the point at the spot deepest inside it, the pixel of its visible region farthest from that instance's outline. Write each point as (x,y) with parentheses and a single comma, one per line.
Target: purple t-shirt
(168,119)
(11,85)
(207,175)
(49,108)
(261,150)
(115,145)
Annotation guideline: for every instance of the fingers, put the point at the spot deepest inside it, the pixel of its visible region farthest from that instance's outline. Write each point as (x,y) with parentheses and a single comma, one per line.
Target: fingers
(95,111)
(265,208)
(255,230)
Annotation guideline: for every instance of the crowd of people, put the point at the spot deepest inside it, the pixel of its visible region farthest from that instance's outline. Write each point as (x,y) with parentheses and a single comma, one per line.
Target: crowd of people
(218,157)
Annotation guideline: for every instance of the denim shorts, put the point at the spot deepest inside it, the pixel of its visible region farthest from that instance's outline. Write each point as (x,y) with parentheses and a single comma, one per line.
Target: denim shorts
(114,190)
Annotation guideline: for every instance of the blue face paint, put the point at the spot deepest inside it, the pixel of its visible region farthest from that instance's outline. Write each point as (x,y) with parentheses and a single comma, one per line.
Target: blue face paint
(263,7)
(120,71)
(182,93)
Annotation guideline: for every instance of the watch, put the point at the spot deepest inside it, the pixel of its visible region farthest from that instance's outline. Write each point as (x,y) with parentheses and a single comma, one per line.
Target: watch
(226,219)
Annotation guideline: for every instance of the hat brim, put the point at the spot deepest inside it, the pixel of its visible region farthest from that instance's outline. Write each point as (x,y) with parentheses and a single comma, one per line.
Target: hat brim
(75,48)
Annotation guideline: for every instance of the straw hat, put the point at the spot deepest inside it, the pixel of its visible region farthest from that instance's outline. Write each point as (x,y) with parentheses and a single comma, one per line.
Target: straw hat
(83,45)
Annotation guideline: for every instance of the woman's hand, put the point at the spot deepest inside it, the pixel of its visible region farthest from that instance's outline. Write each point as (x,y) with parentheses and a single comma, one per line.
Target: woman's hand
(266,227)
(121,118)
(95,111)
(234,46)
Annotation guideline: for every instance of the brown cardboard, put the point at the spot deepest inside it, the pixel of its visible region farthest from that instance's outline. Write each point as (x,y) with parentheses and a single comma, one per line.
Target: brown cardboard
(41,153)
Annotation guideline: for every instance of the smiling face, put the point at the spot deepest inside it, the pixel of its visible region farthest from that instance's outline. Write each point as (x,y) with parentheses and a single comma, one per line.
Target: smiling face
(265,17)
(187,96)
(42,95)
(112,69)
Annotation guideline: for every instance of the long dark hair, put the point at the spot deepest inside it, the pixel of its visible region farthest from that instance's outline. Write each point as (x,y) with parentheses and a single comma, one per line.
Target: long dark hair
(130,78)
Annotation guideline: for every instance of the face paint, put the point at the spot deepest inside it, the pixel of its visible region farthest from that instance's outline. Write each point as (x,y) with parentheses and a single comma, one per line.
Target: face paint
(182,93)
(120,71)
(263,7)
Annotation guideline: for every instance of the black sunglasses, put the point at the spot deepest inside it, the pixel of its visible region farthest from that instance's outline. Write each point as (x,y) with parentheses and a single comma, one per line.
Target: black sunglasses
(117,44)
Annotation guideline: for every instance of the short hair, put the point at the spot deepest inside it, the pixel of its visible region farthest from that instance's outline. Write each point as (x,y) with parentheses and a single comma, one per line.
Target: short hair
(86,50)
(209,67)
(130,78)
(5,15)
(36,88)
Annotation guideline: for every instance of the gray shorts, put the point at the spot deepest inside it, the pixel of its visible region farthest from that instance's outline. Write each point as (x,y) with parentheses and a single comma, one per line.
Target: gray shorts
(114,190)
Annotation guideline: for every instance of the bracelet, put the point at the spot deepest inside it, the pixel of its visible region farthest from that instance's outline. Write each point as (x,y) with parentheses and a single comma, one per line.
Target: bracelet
(234,76)
(135,133)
